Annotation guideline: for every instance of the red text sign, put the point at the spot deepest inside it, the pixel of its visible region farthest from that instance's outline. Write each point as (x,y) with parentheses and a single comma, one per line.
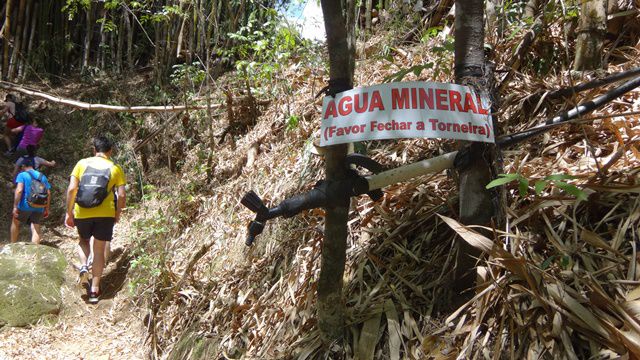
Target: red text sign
(406,110)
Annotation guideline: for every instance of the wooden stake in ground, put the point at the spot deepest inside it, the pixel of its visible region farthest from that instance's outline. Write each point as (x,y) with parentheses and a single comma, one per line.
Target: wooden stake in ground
(340,43)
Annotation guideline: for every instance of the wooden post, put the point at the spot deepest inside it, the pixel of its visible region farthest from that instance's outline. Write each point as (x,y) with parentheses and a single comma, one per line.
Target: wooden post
(340,43)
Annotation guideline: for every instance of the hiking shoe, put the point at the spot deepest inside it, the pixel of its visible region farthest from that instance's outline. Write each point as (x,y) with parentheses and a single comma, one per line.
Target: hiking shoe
(94,297)
(83,277)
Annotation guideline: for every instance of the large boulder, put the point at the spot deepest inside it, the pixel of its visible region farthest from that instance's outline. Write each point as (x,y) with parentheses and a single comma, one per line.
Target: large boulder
(31,277)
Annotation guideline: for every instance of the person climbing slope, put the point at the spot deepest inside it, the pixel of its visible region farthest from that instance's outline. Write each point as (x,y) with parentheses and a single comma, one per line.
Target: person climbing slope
(16,116)
(38,162)
(92,207)
(32,198)
(28,134)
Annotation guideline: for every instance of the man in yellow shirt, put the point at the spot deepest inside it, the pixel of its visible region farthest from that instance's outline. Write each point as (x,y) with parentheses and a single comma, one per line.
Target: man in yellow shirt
(95,199)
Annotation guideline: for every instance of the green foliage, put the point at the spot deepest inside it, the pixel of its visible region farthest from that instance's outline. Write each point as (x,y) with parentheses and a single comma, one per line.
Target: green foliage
(188,76)
(292,122)
(149,253)
(556,180)
(263,46)
(109,25)
(72,7)
(565,262)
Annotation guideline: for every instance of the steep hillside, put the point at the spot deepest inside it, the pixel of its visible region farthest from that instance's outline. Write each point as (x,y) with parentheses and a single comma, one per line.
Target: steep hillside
(558,280)
(212,296)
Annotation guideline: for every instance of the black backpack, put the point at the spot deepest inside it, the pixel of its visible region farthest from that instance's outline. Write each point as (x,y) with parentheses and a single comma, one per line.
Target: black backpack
(38,195)
(93,188)
(21,115)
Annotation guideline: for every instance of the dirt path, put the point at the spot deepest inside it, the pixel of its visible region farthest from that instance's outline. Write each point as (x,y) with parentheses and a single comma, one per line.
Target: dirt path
(111,329)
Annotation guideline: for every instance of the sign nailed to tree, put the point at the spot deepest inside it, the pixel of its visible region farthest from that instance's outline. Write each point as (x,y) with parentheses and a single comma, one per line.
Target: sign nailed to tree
(406,110)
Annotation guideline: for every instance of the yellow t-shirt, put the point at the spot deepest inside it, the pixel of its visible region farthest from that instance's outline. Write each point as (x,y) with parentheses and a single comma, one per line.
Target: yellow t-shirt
(108,206)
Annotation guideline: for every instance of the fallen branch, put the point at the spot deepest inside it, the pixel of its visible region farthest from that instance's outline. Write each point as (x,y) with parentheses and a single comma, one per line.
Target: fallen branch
(102,107)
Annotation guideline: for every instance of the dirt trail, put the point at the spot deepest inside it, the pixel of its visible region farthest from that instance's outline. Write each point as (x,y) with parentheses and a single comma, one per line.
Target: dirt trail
(112,329)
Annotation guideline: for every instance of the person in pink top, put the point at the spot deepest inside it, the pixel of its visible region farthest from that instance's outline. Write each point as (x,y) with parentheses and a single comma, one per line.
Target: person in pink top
(31,135)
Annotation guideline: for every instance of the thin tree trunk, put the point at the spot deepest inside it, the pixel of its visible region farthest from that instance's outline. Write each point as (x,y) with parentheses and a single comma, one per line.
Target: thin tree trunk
(25,37)
(102,47)
(181,37)
(16,53)
(368,10)
(591,33)
(121,34)
(6,39)
(202,43)
(340,43)
(476,205)
(88,36)
(129,28)
(32,35)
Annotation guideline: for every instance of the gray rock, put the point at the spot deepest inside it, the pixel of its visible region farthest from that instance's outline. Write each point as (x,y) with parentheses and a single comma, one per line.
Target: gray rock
(31,277)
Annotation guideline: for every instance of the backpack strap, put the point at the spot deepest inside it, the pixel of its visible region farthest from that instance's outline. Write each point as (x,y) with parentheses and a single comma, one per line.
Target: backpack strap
(39,178)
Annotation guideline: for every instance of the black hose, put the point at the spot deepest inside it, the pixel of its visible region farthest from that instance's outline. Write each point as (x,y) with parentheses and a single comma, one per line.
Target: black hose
(512,139)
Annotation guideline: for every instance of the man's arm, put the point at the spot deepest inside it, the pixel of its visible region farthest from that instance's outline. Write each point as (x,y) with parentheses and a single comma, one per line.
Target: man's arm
(17,130)
(17,197)
(72,190)
(122,201)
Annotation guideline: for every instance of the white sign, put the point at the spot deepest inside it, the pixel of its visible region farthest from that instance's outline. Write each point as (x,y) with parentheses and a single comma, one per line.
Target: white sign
(406,110)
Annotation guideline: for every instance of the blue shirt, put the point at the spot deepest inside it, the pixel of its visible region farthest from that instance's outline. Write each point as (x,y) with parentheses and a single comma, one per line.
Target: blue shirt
(26,179)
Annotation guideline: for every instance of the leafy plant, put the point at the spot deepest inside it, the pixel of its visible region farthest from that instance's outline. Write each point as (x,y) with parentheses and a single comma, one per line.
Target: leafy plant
(557,180)
(188,76)
(263,46)
(292,122)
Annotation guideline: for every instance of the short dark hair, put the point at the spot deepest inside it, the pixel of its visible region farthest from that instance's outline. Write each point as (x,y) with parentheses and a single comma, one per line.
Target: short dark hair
(10,97)
(28,162)
(102,144)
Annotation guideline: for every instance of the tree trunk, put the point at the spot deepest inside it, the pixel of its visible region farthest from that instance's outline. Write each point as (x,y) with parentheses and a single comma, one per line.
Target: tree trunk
(6,39)
(102,47)
(120,47)
(202,36)
(129,28)
(16,53)
(476,205)
(340,43)
(32,35)
(25,37)
(368,14)
(88,36)
(591,33)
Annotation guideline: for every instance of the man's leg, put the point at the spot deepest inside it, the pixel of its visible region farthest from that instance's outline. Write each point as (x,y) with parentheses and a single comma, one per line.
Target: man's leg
(15,229)
(98,263)
(83,251)
(36,233)
(107,252)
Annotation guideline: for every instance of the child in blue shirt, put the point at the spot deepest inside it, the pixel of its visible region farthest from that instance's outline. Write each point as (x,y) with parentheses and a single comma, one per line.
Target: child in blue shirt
(22,211)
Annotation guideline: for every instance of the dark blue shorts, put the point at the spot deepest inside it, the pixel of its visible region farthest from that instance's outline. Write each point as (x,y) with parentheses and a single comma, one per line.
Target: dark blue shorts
(100,228)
